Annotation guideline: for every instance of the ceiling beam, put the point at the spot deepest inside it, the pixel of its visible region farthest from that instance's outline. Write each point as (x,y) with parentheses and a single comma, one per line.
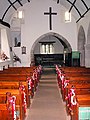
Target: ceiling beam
(12,4)
(83,15)
(8,9)
(4,23)
(19,2)
(58,1)
(85,4)
(28,0)
(74,7)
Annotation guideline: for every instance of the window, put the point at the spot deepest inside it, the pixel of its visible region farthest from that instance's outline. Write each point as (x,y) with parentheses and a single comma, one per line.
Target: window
(47,48)
(67,17)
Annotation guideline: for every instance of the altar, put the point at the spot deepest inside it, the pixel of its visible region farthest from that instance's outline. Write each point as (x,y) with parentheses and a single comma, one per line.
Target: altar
(48,60)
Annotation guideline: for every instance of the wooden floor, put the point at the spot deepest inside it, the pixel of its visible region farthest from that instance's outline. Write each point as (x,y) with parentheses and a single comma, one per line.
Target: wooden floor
(47,103)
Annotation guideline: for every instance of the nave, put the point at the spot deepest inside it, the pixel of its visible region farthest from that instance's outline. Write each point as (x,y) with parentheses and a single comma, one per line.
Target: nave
(47,103)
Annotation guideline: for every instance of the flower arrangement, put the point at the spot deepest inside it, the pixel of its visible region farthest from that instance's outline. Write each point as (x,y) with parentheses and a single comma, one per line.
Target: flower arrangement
(3,56)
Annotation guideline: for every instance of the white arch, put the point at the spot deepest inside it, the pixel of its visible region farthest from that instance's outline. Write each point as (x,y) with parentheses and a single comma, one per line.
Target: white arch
(88,35)
(87,49)
(49,34)
(81,45)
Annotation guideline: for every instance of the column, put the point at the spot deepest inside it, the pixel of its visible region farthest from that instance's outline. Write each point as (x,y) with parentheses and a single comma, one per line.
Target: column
(87,55)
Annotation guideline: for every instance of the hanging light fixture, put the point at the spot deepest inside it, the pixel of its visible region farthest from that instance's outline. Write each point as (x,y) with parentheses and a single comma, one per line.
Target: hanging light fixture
(67,16)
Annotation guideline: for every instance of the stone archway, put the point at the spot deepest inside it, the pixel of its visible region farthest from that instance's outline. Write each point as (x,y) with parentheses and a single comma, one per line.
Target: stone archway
(87,49)
(81,45)
(64,42)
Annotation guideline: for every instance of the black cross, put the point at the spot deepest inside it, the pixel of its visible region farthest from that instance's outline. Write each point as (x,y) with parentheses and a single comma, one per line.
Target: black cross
(57,1)
(50,13)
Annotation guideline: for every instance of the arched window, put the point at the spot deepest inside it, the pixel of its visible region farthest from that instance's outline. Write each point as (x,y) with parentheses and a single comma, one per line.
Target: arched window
(47,48)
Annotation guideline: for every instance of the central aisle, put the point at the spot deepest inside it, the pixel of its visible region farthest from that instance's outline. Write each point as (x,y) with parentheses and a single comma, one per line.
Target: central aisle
(47,103)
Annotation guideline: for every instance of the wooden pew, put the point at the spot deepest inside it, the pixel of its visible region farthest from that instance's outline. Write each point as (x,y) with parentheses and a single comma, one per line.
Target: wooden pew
(71,72)
(85,72)
(20,69)
(75,74)
(78,90)
(4,113)
(23,70)
(9,85)
(81,111)
(72,81)
(74,69)
(28,69)
(85,88)
(20,106)
(76,79)
(80,97)
(8,71)
(70,76)
(15,81)
(20,74)
(16,71)
(11,80)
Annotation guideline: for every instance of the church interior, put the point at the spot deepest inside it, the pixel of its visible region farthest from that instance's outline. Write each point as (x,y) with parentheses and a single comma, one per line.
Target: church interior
(45,59)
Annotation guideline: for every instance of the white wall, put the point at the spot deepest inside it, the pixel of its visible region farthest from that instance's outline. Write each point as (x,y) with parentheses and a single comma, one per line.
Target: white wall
(85,22)
(36,24)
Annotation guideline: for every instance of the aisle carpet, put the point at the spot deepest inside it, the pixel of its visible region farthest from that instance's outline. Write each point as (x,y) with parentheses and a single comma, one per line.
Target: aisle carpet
(47,103)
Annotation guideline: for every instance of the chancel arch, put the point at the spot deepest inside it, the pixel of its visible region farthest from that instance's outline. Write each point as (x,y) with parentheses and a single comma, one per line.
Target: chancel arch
(51,48)
(81,45)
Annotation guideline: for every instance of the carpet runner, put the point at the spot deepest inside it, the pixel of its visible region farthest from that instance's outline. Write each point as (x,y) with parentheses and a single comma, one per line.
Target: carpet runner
(47,103)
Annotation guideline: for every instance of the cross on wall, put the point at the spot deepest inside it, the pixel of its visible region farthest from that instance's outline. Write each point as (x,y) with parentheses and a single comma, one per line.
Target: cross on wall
(50,13)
